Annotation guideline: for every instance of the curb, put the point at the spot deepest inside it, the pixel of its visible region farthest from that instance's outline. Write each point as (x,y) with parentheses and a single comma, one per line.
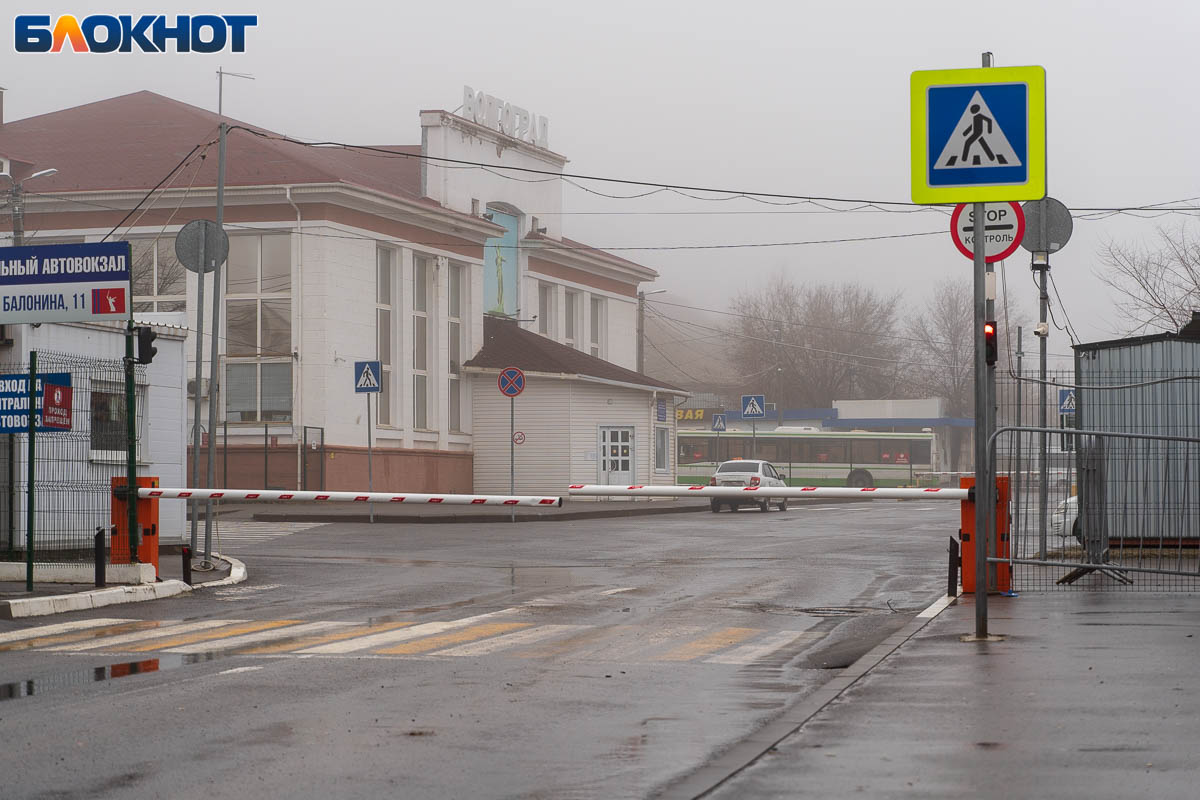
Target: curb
(237,574)
(84,601)
(753,747)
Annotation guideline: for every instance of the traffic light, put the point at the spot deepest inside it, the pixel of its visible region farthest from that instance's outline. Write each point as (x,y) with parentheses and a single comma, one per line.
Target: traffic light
(989,342)
(145,344)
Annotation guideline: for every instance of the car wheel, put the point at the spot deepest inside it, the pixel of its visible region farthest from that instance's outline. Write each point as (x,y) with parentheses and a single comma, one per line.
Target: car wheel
(1077,531)
(764,505)
(714,505)
(783,504)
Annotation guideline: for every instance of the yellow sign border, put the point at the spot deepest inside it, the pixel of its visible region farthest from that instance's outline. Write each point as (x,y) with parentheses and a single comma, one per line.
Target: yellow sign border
(1034,187)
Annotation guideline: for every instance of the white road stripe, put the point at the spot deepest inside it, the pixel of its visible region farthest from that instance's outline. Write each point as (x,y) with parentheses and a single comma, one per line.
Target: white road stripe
(936,608)
(401,634)
(140,636)
(749,653)
(635,644)
(62,627)
(508,641)
(235,642)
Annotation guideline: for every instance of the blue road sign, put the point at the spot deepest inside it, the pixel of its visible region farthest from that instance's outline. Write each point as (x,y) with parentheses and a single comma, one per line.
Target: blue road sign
(718,423)
(1066,401)
(14,400)
(754,406)
(511,381)
(65,282)
(368,376)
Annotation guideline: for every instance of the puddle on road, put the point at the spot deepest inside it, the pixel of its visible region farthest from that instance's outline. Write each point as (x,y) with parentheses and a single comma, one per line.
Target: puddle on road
(80,677)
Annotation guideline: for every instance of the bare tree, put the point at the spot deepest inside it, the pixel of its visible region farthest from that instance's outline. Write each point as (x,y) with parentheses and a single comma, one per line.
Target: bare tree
(806,346)
(945,353)
(1158,287)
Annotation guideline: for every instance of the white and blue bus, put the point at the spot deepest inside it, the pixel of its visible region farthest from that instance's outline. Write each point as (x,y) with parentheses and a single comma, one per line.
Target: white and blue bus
(815,457)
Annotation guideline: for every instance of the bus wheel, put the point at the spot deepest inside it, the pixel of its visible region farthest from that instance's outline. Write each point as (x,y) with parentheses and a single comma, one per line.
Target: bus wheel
(859,479)
(714,505)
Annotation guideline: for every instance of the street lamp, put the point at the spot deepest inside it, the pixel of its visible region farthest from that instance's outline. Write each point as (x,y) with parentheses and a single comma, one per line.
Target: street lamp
(641,327)
(15,192)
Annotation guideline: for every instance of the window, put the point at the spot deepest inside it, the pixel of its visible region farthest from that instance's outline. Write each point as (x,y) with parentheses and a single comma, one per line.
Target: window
(454,347)
(597,325)
(662,449)
(384,265)
(545,307)
(258,329)
(159,280)
(108,418)
(420,352)
(570,334)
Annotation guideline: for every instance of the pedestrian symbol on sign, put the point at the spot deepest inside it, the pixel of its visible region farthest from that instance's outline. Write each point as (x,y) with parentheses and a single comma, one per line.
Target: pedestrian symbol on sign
(366,376)
(982,133)
(753,406)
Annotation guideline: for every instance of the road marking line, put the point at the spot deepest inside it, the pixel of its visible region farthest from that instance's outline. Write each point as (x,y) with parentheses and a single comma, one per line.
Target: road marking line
(403,635)
(75,636)
(748,654)
(589,636)
(141,636)
(936,608)
(61,627)
(619,591)
(239,669)
(708,644)
(455,637)
(638,644)
(219,633)
(253,638)
(312,641)
(509,640)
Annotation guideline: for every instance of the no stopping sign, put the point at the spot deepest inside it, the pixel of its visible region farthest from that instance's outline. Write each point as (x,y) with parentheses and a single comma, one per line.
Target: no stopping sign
(1003,230)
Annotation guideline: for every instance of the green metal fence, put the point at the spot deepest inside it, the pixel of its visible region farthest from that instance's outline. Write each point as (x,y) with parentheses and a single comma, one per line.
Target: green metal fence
(72,468)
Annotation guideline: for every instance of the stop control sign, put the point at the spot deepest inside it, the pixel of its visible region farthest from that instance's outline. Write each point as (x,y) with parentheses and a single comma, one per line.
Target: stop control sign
(1003,229)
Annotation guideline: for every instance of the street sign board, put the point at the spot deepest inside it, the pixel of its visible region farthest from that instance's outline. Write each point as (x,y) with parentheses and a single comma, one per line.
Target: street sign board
(511,381)
(201,245)
(718,423)
(14,400)
(754,406)
(1066,401)
(65,283)
(1048,225)
(978,135)
(368,376)
(1003,229)
(56,406)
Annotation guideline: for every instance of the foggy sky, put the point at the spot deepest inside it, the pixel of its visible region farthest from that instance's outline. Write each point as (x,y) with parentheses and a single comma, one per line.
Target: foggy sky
(804,98)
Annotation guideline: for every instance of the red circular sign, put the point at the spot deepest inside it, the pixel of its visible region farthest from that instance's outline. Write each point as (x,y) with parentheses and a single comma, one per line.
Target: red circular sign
(1004,228)
(519,437)
(511,381)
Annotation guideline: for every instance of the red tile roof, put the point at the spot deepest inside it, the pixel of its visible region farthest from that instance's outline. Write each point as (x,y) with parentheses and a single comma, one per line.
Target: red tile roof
(507,344)
(130,142)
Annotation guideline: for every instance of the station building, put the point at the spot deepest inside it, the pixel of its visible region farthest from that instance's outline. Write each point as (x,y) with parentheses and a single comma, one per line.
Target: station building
(396,253)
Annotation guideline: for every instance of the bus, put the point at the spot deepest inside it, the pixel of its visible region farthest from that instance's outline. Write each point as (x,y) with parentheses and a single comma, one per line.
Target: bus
(814,457)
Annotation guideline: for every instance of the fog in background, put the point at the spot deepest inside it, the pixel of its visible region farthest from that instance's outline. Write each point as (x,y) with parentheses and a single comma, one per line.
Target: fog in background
(797,98)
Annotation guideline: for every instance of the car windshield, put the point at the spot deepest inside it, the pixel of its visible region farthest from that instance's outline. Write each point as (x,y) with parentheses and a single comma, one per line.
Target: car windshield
(738,466)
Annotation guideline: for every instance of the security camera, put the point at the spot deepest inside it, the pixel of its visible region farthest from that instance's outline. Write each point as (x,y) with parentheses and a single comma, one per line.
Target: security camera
(1041,329)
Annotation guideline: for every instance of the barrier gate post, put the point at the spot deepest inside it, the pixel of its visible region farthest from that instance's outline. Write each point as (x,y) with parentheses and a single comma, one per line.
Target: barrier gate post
(999,579)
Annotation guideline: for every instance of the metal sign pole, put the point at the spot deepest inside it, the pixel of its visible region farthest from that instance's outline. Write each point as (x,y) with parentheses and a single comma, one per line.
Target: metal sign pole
(753,438)
(512,452)
(193,506)
(214,352)
(981,414)
(370,456)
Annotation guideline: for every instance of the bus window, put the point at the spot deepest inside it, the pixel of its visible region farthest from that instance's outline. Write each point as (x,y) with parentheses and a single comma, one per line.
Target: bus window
(769,449)
(693,450)
(832,451)
(919,452)
(865,451)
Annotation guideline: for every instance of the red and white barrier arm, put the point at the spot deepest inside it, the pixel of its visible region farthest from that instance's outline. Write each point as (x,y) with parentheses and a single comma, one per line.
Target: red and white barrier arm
(240,495)
(765,492)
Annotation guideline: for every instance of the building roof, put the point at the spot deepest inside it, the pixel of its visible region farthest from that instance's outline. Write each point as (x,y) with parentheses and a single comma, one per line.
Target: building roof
(1190,332)
(507,344)
(132,141)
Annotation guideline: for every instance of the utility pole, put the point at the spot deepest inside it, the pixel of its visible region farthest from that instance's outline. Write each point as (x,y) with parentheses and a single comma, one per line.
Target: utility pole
(641,328)
(221,87)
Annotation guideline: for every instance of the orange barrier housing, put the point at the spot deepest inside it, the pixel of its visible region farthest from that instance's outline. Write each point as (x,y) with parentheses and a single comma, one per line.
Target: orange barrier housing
(147,552)
(966,537)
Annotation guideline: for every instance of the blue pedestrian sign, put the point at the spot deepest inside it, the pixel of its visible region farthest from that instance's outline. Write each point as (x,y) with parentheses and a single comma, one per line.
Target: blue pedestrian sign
(368,376)
(754,406)
(979,135)
(1066,401)
(718,425)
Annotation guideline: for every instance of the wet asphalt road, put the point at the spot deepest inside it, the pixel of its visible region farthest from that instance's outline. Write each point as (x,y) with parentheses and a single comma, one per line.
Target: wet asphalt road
(587,659)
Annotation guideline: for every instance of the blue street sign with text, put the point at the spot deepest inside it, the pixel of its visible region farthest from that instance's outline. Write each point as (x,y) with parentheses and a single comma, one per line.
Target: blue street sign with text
(14,400)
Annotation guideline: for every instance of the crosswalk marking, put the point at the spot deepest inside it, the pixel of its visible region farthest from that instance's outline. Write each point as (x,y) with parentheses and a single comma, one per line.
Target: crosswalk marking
(313,641)
(254,638)
(219,633)
(61,627)
(108,642)
(402,635)
(454,637)
(74,636)
(509,640)
(748,654)
(709,644)
(237,533)
(644,641)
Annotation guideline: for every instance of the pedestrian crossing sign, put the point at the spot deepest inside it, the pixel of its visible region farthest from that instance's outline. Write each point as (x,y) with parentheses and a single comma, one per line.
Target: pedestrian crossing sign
(367,376)
(754,406)
(718,423)
(979,135)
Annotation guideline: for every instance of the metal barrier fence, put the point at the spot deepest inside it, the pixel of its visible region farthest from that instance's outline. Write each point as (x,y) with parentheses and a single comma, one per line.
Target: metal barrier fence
(73,468)
(1123,513)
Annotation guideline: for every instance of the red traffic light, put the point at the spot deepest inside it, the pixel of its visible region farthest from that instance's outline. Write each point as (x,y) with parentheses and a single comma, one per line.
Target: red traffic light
(989,343)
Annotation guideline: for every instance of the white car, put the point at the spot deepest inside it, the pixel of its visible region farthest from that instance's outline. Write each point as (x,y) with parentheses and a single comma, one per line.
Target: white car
(1064,519)
(747,472)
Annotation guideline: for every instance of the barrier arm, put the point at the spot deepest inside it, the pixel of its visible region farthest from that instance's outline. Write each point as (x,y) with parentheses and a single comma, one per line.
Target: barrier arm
(349,497)
(727,492)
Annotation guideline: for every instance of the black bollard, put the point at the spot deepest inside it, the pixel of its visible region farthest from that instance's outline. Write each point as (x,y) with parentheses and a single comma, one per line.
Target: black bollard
(187,565)
(99,557)
(952,571)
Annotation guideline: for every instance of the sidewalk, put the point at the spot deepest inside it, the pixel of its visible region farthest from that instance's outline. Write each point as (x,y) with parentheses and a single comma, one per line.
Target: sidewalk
(53,598)
(1087,695)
